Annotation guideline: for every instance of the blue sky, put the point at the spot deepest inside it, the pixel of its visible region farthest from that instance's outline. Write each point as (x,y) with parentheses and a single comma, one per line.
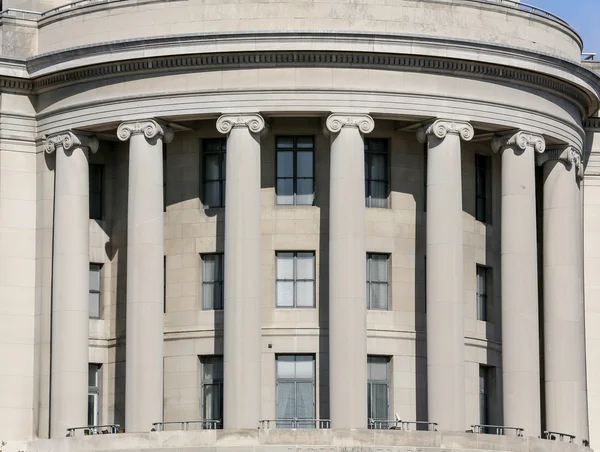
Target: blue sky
(583,15)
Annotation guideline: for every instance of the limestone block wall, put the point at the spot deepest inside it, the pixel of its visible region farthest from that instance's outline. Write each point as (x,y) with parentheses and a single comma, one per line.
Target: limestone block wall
(462,19)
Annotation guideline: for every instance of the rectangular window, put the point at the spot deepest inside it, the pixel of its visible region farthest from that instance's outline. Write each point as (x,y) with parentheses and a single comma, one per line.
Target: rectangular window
(295,170)
(212,389)
(213,190)
(376,172)
(484,285)
(482,170)
(378,391)
(295,279)
(94,394)
(487,390)
(377,281)
(295,391)
(95,297)
(212,281)
(96,191)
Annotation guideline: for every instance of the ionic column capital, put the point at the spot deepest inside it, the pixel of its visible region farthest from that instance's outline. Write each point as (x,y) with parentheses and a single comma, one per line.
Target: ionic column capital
(68,139)
(520,140)
(149,127)
(442,127)
(337,121)
(569,155)
(253,121)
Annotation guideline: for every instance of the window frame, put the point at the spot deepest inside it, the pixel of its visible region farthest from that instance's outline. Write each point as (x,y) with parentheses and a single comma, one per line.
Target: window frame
(369,282)
(204,382)
(483,301)
(281,422)
(222,180)
(220,267)
(100,270)
(96,194)
(295,280)
(368,178)
(482,182)
(370,382)
(294,150)
(95,392)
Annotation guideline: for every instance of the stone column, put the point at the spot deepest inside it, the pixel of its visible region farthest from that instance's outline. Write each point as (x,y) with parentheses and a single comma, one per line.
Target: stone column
(70,281)
(445,291)
(564,317)
(145,254)
(519,286)
(242,295)
(347,271)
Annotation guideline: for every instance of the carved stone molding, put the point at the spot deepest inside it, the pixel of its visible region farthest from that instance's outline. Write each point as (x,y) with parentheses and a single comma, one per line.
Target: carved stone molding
(337,121)
(69,139)
(149,127)
(592,125)
(253,121)
(520,140)
(442,127)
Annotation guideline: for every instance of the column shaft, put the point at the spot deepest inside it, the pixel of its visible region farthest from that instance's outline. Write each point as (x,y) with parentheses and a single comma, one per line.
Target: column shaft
(347,273)
(70,285)
(243,296)
(444,269)
(564,332)
(145,276)
(520,322)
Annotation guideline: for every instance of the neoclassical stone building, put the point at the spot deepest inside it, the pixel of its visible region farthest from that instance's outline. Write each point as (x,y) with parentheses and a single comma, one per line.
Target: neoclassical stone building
(297,225)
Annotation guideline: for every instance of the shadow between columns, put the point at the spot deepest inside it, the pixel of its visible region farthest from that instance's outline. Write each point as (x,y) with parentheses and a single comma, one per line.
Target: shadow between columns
(323,313)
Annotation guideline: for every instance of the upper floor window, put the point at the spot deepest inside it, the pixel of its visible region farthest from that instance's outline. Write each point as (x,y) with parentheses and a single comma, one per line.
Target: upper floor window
(213,189)
(376,172)
(212,390)
(95,296)
(484,283)
(295,279)
(96,191)
(212,281)
(295,170)
(378,391)
(94,393)
(295,391)
(377,281)
(482,184)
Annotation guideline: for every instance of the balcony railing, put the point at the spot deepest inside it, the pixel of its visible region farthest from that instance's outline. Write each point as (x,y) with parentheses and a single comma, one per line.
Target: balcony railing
(207,424)
(95,429)
(496,429)
(266,424)
(564,437)
(397,424)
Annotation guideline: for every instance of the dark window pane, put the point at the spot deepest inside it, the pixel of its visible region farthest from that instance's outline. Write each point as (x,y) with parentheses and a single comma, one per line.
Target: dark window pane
(305,192)
(305,143)
(285,191)
(96,181)
(212,166)
(305,164)
(285,142)
(285,164)
(212,194)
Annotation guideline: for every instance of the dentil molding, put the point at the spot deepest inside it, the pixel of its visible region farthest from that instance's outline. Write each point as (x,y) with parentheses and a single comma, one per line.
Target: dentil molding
(254,122)
(521,140)
(68,140)
(149,127)
(337,121)
(442,127)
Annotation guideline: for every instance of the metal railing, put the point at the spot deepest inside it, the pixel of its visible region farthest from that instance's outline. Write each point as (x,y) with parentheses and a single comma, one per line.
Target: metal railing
(397,424)
(207,424)
(95,429)
(266,424)
(496,429)
(561,436)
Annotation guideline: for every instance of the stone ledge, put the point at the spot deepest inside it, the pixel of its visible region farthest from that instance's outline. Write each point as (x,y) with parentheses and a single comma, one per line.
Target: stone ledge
(283,440)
